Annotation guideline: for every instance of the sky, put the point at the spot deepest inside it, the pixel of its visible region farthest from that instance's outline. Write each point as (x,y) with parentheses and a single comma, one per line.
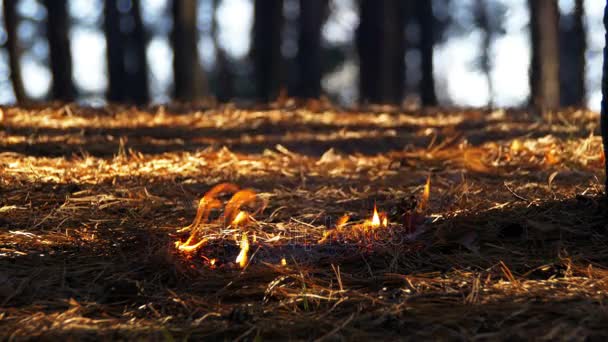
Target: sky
(460,81)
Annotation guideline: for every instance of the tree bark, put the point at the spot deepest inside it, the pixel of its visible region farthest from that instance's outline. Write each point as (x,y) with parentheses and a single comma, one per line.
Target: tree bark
(572,57)
(59,50)
(381,47)
(604,110)
(312,15)
(544,72)
(224,76)
(117,81)
(126,53)
(267,58)
(481,17)
(426,20)
(189,80)
(11,21)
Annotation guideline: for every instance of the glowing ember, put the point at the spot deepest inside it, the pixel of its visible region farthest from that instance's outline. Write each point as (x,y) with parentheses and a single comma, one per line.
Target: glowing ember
(212,261)
(376,218)
(283,262)
(516,146)
(551,158)
(242,258)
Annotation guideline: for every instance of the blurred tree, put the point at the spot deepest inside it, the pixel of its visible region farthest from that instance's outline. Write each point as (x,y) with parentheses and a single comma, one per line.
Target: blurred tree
(426,20)
(189,79)
(483,22)
(224,75)
(572,57)
(266,48)
(11,20)
(313,14)
(604,113)
(544,68)
(126,50)
(380,40)
(60,54)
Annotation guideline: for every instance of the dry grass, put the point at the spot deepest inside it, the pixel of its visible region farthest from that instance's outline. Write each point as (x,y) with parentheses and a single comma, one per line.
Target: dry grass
(512,242)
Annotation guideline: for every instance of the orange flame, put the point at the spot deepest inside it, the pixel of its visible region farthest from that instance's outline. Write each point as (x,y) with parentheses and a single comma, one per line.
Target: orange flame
(551,158)
(242,258)
(341,222)
(240,218)
(375,218)
(516,146)
(426,194)
(385,221)
(235,203)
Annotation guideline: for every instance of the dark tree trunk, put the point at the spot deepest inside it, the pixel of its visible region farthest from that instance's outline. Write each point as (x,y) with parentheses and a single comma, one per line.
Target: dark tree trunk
(604,114)
(572,57)
(139,69)
(189,80)
(60,54)
(115,50)
(267,58)
(381,48)
(544,69)
(224,76)
(312,15)
(126,53)
(426,20)
(11,20)
(481,17)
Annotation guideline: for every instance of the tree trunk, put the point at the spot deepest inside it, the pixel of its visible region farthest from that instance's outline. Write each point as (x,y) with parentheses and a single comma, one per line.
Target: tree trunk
(267,58)
(426,21)
(544,72)
(224,76)
(604,113)
(60,54)
(11,21)
(138,70)
(572,57)
(312,14)
(189,81)
(126,53)
(117,79)
(481,17)
(381,48)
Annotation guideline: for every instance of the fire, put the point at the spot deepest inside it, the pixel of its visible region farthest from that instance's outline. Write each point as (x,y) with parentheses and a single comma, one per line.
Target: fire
(516,146)
(232,214)
(342,222)
(242,258)
(240,218)
(375,218)
(551,158)
(283,262)
(426,194)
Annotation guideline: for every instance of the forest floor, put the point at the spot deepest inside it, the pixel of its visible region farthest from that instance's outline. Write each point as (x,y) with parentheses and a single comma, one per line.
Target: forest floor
(509,241)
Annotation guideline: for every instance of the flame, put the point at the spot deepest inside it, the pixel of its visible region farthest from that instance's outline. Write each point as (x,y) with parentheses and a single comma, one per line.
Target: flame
(426,194)
(283,262)
(341,222)
(208,202)
(242,258)
(212,262)
(240,218)
(551,158)
(239,199)
(385,221)
(376,218)
(516,146)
